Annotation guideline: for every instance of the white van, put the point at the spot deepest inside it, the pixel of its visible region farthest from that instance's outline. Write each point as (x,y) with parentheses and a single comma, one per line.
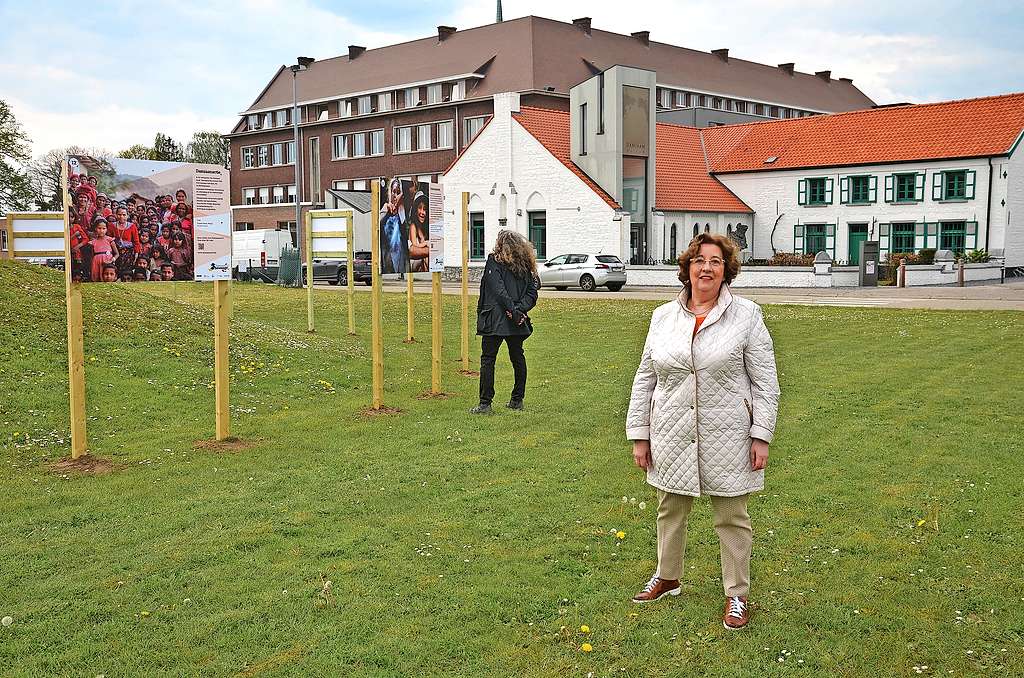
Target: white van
(256,255)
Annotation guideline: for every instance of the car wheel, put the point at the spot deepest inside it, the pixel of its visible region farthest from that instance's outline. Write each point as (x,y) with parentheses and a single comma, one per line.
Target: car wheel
(615,287)
(342,278)
(369,282)
(587,283)
(561,288)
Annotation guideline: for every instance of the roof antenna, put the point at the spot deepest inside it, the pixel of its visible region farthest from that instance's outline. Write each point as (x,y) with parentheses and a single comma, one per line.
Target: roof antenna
(499,12)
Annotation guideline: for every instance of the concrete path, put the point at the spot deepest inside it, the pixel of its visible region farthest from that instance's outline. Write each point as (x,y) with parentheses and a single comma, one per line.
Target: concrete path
(1008,296)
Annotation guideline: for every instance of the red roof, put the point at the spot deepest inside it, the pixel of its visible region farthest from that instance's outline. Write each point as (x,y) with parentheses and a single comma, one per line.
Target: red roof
(968,128)
(551,129)
(683,182)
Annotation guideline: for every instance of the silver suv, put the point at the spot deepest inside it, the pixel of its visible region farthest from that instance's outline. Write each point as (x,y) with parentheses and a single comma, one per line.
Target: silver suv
(587,271)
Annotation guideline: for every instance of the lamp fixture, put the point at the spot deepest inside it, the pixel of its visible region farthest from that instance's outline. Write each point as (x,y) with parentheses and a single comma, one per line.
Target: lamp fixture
(494,187)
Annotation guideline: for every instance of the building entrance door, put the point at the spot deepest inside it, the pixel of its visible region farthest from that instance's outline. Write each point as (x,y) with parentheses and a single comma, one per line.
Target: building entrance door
(637,244)
(858,234)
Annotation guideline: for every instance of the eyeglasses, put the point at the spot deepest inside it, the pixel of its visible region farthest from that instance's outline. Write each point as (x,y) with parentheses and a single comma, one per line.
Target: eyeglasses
(700,261)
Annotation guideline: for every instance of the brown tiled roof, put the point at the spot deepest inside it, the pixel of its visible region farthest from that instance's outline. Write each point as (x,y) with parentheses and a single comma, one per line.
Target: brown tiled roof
(683,182)
(551,129)
(532,53)
(967,128)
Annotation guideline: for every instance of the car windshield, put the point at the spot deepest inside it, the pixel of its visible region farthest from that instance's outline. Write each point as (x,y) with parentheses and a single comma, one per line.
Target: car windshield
(363,255)
(608,259)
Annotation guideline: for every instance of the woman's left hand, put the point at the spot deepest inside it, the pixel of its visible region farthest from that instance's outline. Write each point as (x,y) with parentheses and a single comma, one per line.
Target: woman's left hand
(758,454)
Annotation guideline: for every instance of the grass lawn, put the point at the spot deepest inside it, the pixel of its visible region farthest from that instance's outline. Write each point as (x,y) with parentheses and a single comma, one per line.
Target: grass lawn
(888,538)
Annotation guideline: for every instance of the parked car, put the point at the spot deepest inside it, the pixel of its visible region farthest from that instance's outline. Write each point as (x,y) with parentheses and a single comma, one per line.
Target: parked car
(331,271)
(361,270)
(586,271)
(256,254)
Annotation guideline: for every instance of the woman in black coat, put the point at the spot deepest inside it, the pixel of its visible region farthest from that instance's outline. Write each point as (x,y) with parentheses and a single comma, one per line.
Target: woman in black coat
(508,290)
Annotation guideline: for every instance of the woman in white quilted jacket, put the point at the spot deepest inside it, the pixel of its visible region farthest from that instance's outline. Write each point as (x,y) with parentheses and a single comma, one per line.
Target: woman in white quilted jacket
(701,415)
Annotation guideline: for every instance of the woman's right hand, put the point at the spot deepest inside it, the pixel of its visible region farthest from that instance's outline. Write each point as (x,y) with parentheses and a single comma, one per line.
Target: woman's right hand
(642,453)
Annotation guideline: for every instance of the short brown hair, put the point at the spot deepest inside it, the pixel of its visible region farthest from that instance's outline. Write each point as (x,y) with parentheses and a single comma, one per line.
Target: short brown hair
(730,253)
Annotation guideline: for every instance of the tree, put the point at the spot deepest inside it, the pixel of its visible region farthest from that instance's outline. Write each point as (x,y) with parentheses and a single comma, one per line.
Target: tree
(44,175)
(15,189)
(207,147)
(138,152)
(166,148)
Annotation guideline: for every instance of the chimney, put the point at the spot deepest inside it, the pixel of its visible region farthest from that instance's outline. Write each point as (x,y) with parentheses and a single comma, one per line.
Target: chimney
(445,32)
(354,51)
(722,54)
(824,75)
(583,23)
(848,81)
(787,67)
(642,36)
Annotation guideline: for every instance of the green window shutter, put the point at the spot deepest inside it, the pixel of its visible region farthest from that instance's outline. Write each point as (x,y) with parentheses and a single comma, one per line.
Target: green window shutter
(931,236)
(919,186)
(971,235)
(844,190)
(798,239)
(801,192)
(937,182)
(872,188)
(969,187)
(890,190)
(830,239)
(883,239)
(919,236)
(829,185)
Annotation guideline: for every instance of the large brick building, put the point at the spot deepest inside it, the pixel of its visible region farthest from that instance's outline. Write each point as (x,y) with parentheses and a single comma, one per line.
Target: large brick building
(409,109)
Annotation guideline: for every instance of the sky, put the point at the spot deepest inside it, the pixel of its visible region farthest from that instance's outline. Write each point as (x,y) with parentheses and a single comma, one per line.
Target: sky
(109,73)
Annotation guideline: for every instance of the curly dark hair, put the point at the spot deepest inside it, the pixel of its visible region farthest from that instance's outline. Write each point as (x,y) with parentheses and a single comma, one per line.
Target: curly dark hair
(730,253)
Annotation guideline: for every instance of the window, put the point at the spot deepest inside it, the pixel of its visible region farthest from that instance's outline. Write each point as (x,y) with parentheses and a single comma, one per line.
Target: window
(290,192)
(403,139)
(340,151)
(268,120)
(249,195)
(472,128)
(252,121)
(425,178)
(814,238)
(672,250)
(3,240)
(904,187)
(262,156)
(716,103)
(539,233)
(952,236)
(434,94)
(583,129)
(444,135)
(459,90)
(321,112)
(377,142)
(953,185)
(412,97)
(476,236)
(264,193)
(902,238)
(758,109)
(345,108)
(278,153)
(360,185)
(243,226)
(359,144)
(248,157)
(278,194)
(666,98)
(815,191)
(290,152)
(281,118)
(773,111)
(741,106)
(364,105)
(856,190)
(423,137)
(680,99)
(340,185)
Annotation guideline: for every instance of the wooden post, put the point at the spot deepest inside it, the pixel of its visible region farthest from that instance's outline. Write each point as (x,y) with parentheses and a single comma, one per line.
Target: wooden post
(221,333)
(351,274)
(435,345)
(410,320)
(465,281)
(902,274)
(76,347)
(960,272)
(308,241)
(375,298)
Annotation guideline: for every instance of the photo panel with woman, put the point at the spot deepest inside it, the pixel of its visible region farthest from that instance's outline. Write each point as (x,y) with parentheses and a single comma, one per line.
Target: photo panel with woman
(404,223)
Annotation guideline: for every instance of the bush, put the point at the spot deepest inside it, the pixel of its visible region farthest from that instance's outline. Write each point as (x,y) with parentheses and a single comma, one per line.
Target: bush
(791,259)
(976,257)
(926,256)
(893,258)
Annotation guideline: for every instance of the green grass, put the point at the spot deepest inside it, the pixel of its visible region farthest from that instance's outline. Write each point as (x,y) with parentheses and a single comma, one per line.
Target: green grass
(461,546)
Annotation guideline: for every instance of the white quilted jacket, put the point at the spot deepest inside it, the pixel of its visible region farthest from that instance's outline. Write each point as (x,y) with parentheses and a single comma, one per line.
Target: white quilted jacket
(701,402)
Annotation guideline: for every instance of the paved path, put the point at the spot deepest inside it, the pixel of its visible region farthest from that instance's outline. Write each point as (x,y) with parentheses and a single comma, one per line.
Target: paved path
(1008,296)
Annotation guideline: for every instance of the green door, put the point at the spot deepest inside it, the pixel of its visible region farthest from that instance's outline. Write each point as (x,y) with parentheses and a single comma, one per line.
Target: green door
(858,234)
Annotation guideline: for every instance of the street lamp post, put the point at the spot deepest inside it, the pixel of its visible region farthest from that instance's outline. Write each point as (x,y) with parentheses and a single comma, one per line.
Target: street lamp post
(302,65)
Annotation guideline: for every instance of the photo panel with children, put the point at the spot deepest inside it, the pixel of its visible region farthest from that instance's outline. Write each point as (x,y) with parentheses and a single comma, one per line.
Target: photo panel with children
(404,212)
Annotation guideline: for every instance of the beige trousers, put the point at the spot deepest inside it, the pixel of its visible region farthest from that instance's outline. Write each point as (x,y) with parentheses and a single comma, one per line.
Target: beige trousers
(735,538)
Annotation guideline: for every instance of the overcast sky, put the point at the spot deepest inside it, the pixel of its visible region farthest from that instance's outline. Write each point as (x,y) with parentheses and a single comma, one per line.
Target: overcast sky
(110,74)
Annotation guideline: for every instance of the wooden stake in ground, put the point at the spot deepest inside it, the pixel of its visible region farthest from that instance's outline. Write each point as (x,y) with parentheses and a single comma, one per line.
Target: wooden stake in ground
(410,320)
(465,281)
(76,348)
(308,242)
(221,332)
(350,235)
(377,340)
(435,340)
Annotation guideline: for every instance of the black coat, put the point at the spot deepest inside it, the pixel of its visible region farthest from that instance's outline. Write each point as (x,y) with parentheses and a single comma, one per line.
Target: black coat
(502,290)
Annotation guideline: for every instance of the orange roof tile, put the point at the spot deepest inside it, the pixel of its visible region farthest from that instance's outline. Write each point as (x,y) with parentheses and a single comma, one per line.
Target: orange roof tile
(551,129)
(967,128)
(683,182)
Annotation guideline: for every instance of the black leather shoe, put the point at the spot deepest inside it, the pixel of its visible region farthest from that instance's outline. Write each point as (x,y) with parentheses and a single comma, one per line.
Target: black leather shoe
(515,405)
(481,409)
